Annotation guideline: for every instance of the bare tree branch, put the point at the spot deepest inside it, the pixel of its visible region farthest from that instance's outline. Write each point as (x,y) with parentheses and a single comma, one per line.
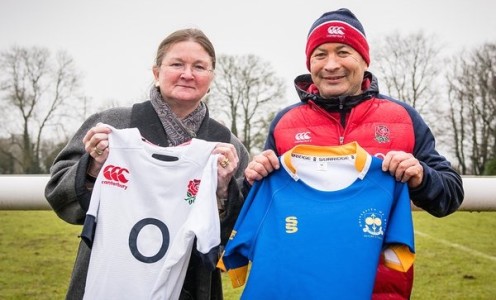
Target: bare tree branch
(35,88)
(472,86)
(246,92)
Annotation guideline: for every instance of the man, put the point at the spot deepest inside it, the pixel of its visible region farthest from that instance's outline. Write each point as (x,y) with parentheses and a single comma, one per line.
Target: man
(341,103)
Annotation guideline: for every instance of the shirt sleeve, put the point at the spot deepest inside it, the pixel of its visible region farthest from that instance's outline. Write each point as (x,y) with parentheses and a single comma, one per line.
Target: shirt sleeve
(400,249)
(89,227)
(239,249)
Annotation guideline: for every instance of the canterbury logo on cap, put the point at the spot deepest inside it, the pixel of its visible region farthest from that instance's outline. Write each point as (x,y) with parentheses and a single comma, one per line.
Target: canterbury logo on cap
(335,30)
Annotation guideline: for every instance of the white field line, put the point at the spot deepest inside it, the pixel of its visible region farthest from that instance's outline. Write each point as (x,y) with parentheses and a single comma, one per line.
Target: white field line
(457,246)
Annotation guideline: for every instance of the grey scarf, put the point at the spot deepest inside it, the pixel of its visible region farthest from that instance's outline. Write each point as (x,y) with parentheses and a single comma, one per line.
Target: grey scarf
(178,131)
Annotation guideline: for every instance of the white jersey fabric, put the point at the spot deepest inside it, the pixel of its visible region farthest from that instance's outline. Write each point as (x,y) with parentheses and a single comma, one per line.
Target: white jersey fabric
(144,215)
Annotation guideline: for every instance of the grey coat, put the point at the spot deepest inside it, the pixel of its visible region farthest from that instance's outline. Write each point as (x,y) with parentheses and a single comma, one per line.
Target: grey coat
(69,197)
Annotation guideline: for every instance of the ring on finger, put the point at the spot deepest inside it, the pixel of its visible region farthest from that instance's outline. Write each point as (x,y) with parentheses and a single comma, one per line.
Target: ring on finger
(224,163)
(97,151)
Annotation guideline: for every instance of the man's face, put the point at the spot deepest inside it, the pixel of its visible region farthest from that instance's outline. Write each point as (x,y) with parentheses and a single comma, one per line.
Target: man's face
(337,70)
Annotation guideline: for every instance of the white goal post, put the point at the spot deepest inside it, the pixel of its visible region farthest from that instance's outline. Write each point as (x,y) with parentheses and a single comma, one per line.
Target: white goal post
(26,192)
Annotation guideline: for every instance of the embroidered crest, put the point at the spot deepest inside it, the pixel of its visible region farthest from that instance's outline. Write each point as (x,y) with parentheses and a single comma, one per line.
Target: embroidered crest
(372,223)
(193,187)
(291,224)
(382,134)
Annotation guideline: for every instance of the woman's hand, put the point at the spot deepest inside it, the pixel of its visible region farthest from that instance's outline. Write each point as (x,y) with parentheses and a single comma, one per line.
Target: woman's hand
(96,144)
(227,165)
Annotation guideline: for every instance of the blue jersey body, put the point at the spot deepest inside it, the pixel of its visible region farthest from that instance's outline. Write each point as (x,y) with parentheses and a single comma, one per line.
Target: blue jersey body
(308,243)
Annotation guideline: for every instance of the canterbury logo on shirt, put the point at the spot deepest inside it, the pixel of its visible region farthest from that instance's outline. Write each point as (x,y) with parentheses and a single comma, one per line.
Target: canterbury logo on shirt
(116,176)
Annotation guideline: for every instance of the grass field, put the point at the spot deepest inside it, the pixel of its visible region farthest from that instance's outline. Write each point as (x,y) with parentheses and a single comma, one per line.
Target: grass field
(456,256)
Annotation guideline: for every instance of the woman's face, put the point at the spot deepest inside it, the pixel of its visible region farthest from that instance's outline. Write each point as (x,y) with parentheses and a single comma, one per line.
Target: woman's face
(337,70)
(185,74)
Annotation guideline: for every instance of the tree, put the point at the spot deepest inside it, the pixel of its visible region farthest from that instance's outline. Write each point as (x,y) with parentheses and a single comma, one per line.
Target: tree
(7,162)
(38,91)
(472,99)
(490,168)
(408,67)
(246,93)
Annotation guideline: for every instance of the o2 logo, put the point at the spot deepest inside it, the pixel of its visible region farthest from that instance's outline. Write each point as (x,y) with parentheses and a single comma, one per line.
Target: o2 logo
(133,240)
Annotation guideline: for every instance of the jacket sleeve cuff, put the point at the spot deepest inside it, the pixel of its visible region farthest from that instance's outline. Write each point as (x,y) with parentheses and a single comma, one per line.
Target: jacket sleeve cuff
(83,194)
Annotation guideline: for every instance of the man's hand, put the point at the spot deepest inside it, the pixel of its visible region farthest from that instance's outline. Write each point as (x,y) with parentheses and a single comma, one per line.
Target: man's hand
(404,167)
(261,165)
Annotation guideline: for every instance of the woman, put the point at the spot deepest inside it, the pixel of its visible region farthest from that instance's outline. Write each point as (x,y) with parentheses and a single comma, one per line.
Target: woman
(183,72)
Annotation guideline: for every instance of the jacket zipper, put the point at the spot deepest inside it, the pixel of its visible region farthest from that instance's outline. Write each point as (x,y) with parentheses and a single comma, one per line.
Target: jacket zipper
(342,116)
(340,126)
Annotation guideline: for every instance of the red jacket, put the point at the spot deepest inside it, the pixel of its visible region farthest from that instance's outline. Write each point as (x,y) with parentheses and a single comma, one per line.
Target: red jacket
(379,124)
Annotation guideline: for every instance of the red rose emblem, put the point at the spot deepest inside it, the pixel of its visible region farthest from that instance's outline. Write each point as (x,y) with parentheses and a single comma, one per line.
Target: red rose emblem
(382,134)
(193,187)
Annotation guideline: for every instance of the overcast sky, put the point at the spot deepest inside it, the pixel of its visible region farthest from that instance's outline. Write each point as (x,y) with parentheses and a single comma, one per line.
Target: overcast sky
(113,42)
